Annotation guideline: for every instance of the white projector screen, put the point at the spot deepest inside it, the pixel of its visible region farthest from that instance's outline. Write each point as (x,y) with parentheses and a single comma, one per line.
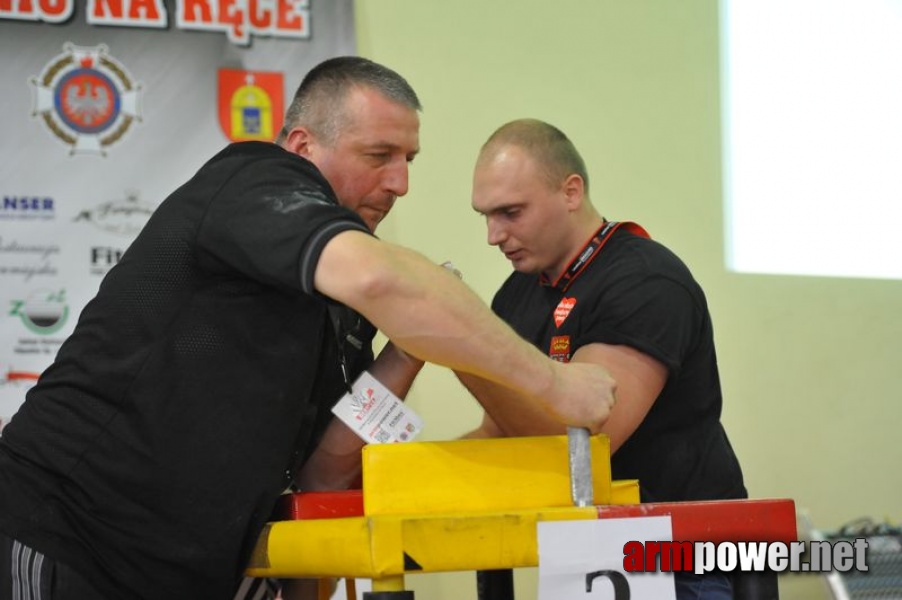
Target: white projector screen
(812,122)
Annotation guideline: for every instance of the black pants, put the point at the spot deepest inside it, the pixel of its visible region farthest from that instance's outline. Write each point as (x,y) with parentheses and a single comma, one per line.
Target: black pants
(26,574)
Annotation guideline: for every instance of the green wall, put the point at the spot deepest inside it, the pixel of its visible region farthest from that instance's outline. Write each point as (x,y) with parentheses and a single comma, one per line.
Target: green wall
(810,367)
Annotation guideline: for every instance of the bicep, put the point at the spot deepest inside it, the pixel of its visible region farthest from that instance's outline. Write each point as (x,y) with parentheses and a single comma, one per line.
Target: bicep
(344,266)
(640,379)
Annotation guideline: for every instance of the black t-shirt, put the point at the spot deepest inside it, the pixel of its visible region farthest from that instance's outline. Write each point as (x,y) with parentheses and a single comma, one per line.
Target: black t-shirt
(635,292)
(151,452)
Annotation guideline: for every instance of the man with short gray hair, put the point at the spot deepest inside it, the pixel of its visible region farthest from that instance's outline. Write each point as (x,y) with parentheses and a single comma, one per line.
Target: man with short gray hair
(198,382)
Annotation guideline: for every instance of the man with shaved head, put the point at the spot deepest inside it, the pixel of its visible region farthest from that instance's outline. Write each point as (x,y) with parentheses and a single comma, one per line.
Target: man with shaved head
(588,290)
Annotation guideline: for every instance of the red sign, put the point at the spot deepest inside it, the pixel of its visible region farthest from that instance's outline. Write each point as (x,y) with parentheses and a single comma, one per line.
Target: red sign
(251,104)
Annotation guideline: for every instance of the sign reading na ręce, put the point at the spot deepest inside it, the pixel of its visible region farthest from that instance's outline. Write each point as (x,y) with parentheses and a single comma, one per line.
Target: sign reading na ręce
(239,20)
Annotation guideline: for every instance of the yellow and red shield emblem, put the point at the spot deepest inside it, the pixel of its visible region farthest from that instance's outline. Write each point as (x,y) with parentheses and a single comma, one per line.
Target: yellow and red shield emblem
(251,104)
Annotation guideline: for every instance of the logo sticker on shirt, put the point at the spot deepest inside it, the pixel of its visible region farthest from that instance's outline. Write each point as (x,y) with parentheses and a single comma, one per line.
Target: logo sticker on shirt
(563,310)
(560,348)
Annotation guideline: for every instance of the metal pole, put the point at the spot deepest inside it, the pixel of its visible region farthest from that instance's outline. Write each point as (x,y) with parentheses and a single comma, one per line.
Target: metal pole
(581,489)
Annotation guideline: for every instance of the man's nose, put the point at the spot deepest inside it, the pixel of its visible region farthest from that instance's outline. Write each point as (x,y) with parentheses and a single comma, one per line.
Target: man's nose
(495,231)
(396,178)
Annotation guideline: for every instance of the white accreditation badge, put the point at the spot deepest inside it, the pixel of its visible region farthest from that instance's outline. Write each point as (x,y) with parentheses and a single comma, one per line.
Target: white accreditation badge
(375,414)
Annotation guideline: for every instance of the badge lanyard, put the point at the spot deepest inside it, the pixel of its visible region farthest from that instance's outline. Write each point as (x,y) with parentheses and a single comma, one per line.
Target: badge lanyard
(590,251)
(343,338)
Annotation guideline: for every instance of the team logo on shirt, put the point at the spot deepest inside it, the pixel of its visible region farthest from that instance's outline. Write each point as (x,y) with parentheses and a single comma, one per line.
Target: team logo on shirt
(250,104)
(86,98)
(563,310)
(560,348)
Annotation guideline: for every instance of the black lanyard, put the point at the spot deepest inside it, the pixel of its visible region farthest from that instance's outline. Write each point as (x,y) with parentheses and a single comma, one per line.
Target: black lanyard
(344,335)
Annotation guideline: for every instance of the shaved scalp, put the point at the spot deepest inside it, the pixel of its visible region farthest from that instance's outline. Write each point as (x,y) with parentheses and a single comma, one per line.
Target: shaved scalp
(545,143)
(318,103)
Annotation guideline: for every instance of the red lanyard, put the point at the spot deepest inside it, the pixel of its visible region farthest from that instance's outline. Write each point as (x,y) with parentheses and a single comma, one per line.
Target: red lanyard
(590,251)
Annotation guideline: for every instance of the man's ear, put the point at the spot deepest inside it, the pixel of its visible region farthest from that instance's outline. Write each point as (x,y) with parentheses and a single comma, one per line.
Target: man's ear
(300,141)
(574,191)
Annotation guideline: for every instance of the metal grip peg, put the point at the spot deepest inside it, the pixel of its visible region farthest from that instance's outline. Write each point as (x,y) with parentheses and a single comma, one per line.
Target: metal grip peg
(581,488)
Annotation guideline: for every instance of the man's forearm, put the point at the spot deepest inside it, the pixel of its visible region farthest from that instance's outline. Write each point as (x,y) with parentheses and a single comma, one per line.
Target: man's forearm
(335,464)
(508,414)
(431,314)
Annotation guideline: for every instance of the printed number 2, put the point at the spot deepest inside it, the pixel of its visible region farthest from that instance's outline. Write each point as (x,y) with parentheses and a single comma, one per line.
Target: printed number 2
(617,579)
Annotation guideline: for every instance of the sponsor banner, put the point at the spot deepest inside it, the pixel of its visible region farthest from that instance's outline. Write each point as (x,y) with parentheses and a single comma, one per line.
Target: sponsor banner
(113,105)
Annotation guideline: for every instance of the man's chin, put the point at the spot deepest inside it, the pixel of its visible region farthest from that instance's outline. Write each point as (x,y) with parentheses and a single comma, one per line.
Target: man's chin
(523,265)
(520,265)
(372,218)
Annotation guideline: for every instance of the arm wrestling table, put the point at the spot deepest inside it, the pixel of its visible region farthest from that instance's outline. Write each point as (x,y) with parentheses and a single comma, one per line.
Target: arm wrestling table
(474,505)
